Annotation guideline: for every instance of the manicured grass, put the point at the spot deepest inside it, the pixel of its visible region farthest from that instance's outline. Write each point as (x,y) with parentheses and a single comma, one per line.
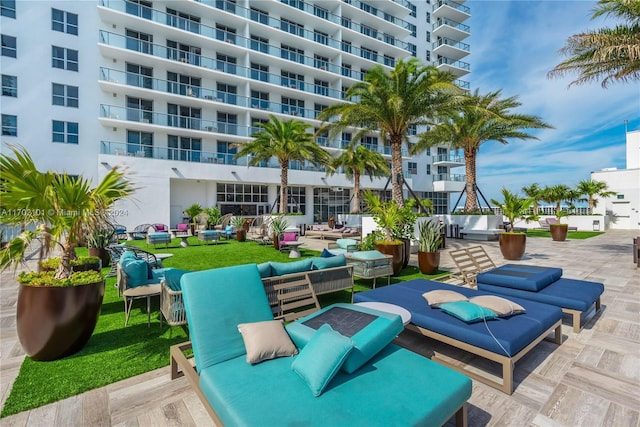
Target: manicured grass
(116,352)
(580,235)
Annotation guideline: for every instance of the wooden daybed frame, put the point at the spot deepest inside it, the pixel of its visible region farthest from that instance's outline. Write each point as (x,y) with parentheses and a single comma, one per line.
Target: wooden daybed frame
(322,234)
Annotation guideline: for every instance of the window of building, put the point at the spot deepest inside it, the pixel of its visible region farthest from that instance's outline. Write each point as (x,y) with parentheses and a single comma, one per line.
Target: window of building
(8,8)
(184,148)
(292,80)
(64,58)
(9,46)
(412,130)
(412,28)
(140,42)
(412,168)
(183,52)
(259,44)
(139,75)
(428,36)
(320,12)
(321,87)
(368,31)
(259,15)
(183,116)
(428,18)
(227,92)
(228,5)
(292,106)
(65,22)
(412,7)
(225,154)
(427,56)
(140,144)
(320,62)
(412,48)
(346,70)
(260,72)
(292,27)
(320,37)
(346,46)
(242,199)
(370,142)
(9,125)
(183,20)
(389,39)
(328,202)
(183,84)
(227,123)
(9,85)
(428,169)
(298,4)
(226,33)
(368,8)
(440,201)
(345,139)
(389,61)
(317,108)
(296,199)
(292,53)
(226,63)
(369,54)
(260,100)
(139,8)
(65,132)
(139,110)
(346,22)
(64,95)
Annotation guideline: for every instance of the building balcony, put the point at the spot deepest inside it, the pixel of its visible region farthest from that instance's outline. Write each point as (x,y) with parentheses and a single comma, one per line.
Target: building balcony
(451,48)
(448,160)
(450,29)
(448,183)
(452,10)
(457,68)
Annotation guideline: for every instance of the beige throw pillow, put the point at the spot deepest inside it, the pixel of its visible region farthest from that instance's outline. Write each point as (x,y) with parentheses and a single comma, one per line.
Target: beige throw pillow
(441,296)
(266,340)
(501,306)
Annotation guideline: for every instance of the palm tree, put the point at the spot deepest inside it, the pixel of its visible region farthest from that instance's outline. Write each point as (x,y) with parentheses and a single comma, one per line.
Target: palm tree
(534,192)
(63,208)
(610,54)
(286,141)
(411,94)
(593,189)
(481,118)
(358,160)
(556,194)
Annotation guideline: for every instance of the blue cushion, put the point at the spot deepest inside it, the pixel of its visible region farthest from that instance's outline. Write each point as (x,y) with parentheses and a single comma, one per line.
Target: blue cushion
(172,278)
(320,263)
(127,255)
(326,254)
(467,311)
(320,360)
(346,243)
(367,255)
(136,271)
(265,270)
(280,268)
(525,277)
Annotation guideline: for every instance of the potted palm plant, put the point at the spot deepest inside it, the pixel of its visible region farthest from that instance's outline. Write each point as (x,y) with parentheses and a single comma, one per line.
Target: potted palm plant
(429,241)
(213,216)
(238,223)
(405,229)
(57,310)
(558,230)
(387,216)
(98,239)
(192,212)
(278,224)
(513,243)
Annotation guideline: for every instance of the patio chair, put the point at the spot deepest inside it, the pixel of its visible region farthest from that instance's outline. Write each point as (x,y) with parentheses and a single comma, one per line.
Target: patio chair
(223,222)
(182,230)
(470,262)
(133,284)
(160,228)
(120,231)
(287,238)
(140,232)
(158,238)
(544,225)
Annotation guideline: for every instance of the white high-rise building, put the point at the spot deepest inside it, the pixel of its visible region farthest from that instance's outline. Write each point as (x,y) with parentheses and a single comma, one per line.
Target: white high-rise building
(168,89)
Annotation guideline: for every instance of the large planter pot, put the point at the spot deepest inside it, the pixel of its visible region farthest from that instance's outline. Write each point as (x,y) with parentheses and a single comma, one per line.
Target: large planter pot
(559,232)
(513,245)
(406,256)
(241,235)
(276,242)
(55,322)
(396,250)
(102,254)
(428,262)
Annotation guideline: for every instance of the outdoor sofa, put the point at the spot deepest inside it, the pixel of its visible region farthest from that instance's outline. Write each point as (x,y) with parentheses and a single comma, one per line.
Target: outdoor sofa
(332,233)
(545,285)
(504,340)
(392,386)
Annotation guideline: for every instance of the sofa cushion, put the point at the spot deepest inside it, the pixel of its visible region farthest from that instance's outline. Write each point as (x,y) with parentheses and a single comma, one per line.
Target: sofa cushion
(346,243)
(320,263)
(280,268)
(172,277)
(265,270)
(467,311)
(326,254)
(440,296)
(182,227)
(525,277)
(367,255)
(127,255)
(266,340)
(500,306)
(136,271)
(320,360)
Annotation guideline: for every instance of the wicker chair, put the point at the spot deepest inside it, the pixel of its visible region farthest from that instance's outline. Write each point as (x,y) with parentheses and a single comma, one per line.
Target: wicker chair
(116,251)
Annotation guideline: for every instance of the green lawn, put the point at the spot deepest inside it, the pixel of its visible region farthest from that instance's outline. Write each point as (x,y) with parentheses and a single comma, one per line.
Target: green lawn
(580,235)
(116,352)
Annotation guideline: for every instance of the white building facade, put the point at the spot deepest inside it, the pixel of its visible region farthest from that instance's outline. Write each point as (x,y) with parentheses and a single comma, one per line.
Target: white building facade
(168,89)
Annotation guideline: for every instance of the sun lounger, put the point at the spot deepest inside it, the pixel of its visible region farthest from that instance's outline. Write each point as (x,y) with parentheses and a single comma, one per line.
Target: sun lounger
(505,340)
(393,387)
(335,233)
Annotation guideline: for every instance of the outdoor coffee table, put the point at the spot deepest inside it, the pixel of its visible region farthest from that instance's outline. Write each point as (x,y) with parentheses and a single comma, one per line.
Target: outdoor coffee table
(161,257)
(295,252)
(404,314)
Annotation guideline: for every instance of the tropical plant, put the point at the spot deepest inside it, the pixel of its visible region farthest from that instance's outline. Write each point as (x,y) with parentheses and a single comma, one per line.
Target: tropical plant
(407,221)
(534,192)
(278,224)
(556,194)
(237,222)
(610,54)
(429,235)
(515,207)
(62,208)
(100,236)
(192,212)
(286,141)
(481,118)
(213,215)
(593,189)
(356,161)
(391,103)
(369,241)
(387,215)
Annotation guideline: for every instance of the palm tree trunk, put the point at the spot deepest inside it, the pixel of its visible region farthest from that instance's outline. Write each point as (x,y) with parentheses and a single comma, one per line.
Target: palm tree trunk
(356,192)
(471,203)
(396,169)
(284,183)
(64,268)
(591,205)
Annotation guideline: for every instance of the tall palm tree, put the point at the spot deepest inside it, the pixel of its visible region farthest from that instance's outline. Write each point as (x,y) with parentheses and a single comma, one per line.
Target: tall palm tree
(356,161)
(62,208)
(556,194)
(610,54)
(594,189)
(534,192)
(286,141)
(411,94)
(481,118)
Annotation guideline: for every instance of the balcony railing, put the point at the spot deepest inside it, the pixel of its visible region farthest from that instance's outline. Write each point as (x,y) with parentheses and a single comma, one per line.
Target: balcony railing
(452,4)
(449,177)
(458,64)
(452,43)
(444,21)
(448,158)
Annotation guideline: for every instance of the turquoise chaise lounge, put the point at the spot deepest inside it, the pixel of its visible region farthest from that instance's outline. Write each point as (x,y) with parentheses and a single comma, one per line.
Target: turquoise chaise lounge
(391,387)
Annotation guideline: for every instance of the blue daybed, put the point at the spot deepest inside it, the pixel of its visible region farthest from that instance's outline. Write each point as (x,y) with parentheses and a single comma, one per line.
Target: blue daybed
(514,335)
(393,387)
(545,285)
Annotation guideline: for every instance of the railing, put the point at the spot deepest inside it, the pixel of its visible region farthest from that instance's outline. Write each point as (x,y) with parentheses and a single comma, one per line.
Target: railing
(458,64)
(448,158)
(451,23)
(452,4)
(380,14)
(463,84)
(449,177)
(445,41)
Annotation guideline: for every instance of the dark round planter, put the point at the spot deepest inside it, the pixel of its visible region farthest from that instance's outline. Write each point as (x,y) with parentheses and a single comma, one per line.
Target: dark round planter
(396,251)
(241,235)
(95,266)
(428,262)
(559,232)
(513,245)
(406,256)
(55,322)
(102,254)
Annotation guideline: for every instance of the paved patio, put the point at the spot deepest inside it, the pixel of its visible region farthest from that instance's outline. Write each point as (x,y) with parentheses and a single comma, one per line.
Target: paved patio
(592,379)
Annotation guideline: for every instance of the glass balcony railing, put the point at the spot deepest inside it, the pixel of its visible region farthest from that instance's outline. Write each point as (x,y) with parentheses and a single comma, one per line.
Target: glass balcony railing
(463,84)
(452,4)
(444,21)
(458,64)
(448,158)
(452,43)
(449,177)
(379,13)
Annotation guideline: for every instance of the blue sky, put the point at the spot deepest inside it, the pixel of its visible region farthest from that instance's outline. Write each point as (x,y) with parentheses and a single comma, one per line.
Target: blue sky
(513,46)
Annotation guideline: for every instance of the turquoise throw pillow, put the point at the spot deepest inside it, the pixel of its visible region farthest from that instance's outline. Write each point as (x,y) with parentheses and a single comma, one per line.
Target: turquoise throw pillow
(320,360)
(280,268)
(127,255)
(172,278)
(264,269)
(136,271)
(320,263)
(326,254)
(467,311)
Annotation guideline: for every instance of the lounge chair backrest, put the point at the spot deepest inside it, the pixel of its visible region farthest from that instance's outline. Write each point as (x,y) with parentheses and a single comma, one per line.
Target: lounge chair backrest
(182,227)
(160,227)
(216,301)
(289,237)
(551,221)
